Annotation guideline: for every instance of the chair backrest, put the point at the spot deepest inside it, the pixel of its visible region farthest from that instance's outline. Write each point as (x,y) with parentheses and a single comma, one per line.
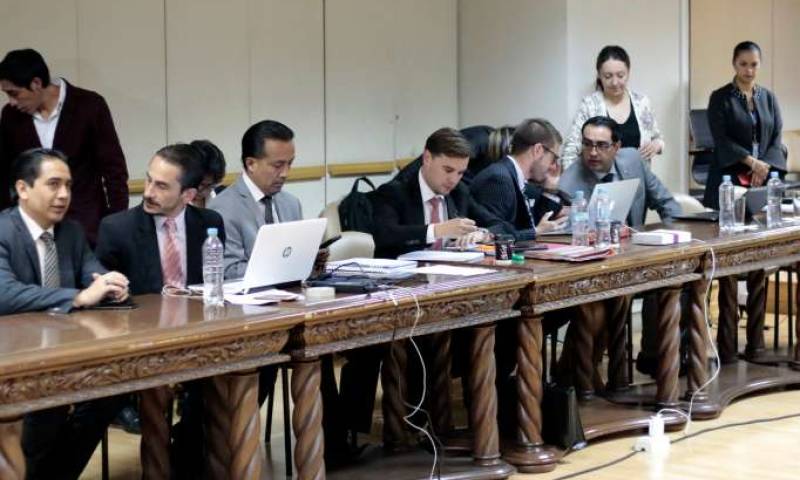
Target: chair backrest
(688,204)
(331,212)
(352,244)
(791,139)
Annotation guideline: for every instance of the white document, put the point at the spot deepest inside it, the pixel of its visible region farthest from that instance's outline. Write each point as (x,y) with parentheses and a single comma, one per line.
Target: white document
(369,265)
(453,270)
(442,256)
(265,297)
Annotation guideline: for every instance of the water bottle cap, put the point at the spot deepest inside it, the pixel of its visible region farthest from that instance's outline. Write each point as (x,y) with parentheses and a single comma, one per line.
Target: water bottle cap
(579,195)
(726,178)
(212,232)
(773,175)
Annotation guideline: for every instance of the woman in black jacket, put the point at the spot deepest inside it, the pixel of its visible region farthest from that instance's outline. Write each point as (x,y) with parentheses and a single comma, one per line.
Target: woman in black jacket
(746,125)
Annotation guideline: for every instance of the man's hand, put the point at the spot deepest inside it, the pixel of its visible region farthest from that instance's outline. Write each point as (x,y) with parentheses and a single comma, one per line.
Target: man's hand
(113,285)
(547,225)
(456,227)
(479,236)
(552,177)
(649,150)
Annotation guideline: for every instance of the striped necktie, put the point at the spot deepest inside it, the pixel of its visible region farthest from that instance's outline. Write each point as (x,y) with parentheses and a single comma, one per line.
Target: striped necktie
(171,256)
(50,276)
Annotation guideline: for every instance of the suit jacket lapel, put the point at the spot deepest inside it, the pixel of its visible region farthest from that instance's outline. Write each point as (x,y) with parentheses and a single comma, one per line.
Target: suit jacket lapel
(65,119)
(27,241)
(416,208)
(248,200)
(146,242)
(523,211)
(452,209)
(194,242)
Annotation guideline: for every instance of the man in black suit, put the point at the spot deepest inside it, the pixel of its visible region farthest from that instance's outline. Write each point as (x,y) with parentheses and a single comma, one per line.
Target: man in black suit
(44,262)
(503,189)
(431,206)
(160,243)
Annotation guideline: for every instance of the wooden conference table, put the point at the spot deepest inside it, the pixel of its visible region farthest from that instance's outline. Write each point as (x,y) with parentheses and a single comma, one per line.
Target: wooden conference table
(52,360)
(596,290)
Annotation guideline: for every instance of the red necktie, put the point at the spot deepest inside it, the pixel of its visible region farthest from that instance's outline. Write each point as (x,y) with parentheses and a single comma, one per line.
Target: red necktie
(171,256)
(436,218)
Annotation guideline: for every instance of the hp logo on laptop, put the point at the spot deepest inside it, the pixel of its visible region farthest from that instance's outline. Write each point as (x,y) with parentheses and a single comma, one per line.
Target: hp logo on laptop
(286,252)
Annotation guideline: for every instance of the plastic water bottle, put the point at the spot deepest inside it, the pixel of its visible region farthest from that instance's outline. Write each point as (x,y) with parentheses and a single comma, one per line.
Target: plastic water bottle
(603,219)
(213,269)
(774,198)
(580,220)
(726,201)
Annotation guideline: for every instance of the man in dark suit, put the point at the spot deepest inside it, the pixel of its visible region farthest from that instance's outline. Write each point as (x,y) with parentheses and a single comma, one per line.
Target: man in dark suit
(44,263)
(77,122)
(501,187)
(160,243)
(431,206)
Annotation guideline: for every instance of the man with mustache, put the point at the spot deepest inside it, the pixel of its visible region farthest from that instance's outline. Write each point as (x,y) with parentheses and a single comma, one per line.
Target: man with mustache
(53,113)
(160,243)
(46,264)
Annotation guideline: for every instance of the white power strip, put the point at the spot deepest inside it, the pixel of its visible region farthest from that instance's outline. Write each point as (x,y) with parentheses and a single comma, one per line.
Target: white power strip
(656,442)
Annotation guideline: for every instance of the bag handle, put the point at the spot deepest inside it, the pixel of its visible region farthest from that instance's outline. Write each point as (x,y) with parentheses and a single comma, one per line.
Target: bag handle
(359,180)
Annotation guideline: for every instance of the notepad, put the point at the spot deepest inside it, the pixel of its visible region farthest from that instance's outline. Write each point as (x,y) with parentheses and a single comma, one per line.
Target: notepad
(369,265)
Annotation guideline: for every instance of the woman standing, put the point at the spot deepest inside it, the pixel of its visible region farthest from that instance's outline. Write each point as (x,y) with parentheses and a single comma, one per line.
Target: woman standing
(613,99)
(746,125)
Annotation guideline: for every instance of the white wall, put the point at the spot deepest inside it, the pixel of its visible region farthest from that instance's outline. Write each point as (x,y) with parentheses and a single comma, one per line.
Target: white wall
(357,80)
(522,59)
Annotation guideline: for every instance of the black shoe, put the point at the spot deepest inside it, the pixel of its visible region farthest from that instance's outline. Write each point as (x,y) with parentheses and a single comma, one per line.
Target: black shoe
(646,365)
(128,420)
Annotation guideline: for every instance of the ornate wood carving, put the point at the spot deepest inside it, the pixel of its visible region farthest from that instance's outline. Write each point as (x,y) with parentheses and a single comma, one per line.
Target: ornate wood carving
(727,339)
(440,384)
(12,460)
(617,315)
(309,450)
(393,384)
(669,316)
(603,282)
(483,410)
(756,311)
(698,342)
(155,440)
(400,317)
(756,254)
(234,427)
(45,384)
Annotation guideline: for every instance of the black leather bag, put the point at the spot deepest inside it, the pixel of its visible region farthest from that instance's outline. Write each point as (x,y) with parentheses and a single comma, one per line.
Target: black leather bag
(355,209)
(561,419)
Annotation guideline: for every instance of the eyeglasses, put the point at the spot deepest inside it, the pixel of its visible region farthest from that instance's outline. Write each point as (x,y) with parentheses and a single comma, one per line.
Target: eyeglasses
(556,157)
(600,146)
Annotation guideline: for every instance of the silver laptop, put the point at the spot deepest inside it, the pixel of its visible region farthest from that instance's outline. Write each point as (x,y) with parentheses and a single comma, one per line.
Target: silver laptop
(282,253)
(621,193)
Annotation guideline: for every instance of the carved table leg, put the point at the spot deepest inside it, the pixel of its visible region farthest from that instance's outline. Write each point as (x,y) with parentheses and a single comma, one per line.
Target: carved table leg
(12,460)
(483,411)
(669,315)
(234,432)
(441,412)
(309,451)
(529,454)
(728,319)
(698,374)
(155,441)
(756,312)
(617,315)
(393,384)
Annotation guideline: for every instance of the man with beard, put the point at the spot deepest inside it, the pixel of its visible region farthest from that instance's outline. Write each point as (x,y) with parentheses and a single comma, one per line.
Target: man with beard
(160,243)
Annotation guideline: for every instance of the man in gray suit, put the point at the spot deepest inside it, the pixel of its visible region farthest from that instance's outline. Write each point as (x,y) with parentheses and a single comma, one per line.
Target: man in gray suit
(46,264)
(256,198)
(602,161)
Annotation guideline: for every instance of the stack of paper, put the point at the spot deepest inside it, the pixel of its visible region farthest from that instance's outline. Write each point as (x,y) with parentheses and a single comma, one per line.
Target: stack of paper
(442,256)
(570,253)
(369,265)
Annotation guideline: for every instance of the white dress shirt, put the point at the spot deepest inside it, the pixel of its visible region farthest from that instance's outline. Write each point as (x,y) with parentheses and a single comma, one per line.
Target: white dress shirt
(257,196)
(427,194)
(46,127)
(180,237)
(36,232)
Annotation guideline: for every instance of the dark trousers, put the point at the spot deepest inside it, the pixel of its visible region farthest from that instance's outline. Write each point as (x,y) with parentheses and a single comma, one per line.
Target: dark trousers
(58,442)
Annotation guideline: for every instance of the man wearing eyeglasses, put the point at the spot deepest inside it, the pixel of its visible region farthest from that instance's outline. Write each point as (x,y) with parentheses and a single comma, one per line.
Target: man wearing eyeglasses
(521,190)
(602,161)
